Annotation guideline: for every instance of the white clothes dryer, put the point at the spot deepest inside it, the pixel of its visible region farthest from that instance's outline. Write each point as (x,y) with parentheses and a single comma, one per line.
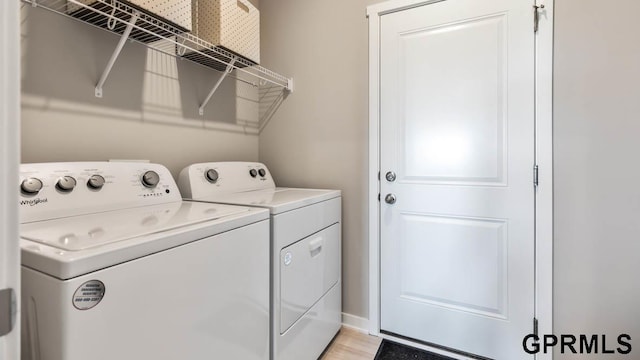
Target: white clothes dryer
(116,266)
(306,304)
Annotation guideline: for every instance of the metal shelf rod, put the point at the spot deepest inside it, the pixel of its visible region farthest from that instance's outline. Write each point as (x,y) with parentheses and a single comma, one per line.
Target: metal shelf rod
(215,87)
(116,52)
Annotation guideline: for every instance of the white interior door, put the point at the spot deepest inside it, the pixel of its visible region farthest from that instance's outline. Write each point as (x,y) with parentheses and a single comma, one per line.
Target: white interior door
(457,130)
(9,158)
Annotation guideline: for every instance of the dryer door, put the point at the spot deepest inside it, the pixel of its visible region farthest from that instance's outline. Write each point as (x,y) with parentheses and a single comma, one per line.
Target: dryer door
(308,269)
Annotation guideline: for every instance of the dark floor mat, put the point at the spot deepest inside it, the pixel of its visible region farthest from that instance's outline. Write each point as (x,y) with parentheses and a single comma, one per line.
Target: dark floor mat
(390,350)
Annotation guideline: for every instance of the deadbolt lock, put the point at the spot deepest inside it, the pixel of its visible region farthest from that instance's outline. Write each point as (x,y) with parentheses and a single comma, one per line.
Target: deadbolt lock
(390,176)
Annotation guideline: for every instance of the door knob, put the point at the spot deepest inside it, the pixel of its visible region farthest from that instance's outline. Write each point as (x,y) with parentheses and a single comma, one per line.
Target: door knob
(390,199)
(391,176)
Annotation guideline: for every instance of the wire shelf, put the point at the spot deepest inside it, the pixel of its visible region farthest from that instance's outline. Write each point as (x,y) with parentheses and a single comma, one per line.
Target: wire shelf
(119,17)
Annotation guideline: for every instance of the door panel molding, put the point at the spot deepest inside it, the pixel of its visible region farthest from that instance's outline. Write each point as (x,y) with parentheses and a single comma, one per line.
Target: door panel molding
(543,155)
(492,243)
(454,160)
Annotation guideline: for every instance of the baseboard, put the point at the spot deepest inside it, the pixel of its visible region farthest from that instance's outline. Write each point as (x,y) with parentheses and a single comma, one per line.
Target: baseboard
(355,322)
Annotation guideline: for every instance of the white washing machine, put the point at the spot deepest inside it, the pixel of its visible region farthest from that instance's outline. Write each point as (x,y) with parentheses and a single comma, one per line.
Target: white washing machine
(116,266)
(306,305)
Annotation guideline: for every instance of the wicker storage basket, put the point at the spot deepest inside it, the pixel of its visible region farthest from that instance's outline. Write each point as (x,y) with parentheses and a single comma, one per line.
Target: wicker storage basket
(233,25)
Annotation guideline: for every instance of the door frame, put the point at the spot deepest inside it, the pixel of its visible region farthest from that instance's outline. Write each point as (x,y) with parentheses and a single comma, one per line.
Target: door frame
(9,166)
(543,154)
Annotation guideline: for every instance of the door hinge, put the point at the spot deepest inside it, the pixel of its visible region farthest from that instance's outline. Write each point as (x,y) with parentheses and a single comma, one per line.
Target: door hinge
(7,311)
(378,197)
(535,175)
(535,326)
(536,16)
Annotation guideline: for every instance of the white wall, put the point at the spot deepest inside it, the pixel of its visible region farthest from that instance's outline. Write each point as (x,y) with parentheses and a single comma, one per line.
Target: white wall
(149,109)
(318,137)
(596,151)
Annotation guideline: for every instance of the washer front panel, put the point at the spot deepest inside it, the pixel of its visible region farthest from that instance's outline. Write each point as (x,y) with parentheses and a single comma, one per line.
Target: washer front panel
(205,299)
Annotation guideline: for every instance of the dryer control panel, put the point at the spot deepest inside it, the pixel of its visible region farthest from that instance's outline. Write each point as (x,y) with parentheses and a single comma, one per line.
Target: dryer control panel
(206,179)
(55,190)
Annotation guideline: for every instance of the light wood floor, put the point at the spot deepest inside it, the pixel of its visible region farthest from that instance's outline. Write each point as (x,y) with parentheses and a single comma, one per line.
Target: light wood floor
(351,344)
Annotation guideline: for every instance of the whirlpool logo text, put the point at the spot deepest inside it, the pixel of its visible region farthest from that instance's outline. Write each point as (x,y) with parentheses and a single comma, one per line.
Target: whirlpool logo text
(33,202)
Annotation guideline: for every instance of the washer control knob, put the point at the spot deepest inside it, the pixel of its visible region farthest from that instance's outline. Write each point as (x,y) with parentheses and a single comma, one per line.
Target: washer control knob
(66,184)
(262,172)
(211,175)
(31,185)
(253,173)
(150,179)
(95,182)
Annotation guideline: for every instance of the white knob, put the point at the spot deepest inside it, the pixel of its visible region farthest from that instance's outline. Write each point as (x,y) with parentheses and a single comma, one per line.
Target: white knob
(95,182)
(150,179)
(211,175)
(66,183)
(31,185)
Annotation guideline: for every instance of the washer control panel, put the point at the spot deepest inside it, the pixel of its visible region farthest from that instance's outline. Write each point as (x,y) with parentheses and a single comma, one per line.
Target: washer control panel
(54,190)
(206,179)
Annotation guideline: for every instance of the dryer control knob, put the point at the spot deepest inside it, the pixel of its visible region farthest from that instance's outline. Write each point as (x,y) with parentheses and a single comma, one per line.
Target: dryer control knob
(262,172)
(253,173)
(150,179)
(211,175)
(31,185)
(95,182)
(66,183)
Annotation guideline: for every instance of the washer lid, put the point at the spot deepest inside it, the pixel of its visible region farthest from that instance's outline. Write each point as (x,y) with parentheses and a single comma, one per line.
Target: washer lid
(277,200)
(95,230)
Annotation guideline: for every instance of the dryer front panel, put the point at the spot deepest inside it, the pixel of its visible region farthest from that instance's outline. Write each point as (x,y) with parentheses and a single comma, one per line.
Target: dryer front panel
(308,269)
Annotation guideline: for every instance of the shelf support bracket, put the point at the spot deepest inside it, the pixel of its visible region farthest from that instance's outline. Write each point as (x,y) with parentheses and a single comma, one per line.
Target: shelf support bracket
(215,87)
(116,53)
